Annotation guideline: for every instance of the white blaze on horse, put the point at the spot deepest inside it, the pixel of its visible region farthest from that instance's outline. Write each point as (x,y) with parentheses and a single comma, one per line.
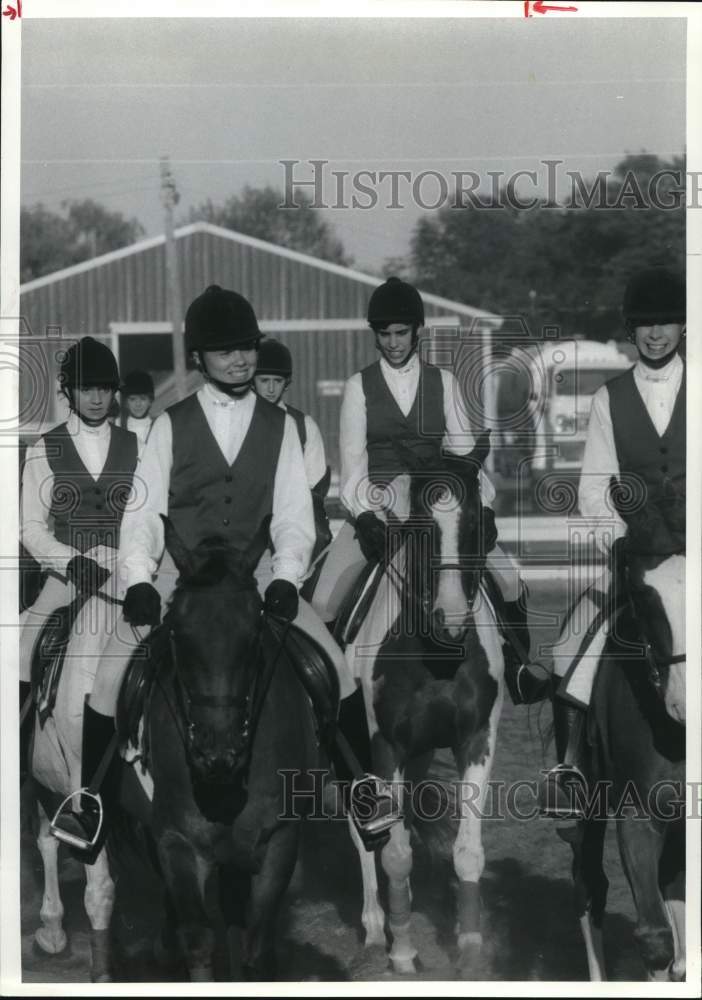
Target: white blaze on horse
(429,657)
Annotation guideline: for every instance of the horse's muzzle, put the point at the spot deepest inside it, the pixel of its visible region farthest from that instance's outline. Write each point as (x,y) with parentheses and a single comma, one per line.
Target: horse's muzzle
(448,629)
(210,767)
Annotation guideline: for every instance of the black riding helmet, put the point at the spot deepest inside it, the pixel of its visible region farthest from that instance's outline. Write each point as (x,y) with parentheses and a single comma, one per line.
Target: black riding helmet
(395,301)
(655,295)
(138,383)
(274,359)
(88,363)
(220,319)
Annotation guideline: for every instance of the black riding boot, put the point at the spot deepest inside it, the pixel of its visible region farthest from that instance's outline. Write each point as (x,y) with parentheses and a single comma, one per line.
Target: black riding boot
(563,789)
(85,831)
(371,801)
(524,687)
(25,734)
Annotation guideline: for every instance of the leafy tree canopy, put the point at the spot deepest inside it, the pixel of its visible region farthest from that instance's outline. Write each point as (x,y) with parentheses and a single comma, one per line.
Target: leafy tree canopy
(257,212)
(566,265)
(50,241)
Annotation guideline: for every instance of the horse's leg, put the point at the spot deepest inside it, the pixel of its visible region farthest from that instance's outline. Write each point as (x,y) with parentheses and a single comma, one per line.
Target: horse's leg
(267,890)
(234,890)
(372,916)
(99,901)
(673,886)
(396,859)
(50,937)
(640,847)
(468,852)
(185,873)
(591,887)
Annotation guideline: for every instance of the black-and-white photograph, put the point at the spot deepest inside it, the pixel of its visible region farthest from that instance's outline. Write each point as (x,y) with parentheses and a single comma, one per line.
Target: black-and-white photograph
(344,465)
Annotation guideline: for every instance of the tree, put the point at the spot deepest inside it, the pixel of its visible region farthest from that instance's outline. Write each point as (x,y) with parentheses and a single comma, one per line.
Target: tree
(257,212)
(50,241)
(564,266)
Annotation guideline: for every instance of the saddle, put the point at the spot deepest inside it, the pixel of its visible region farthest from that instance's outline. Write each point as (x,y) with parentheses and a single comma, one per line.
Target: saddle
(49,655)
(314,669)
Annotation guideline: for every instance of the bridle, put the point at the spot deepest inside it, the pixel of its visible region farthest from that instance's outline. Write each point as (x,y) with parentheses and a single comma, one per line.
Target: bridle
(249,701)
(418,593)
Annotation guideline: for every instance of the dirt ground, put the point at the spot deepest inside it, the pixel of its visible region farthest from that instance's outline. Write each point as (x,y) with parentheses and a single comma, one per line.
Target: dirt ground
(529,923)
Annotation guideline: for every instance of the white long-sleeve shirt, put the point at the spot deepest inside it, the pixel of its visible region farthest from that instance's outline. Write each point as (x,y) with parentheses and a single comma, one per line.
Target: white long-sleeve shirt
(141,427)
(292,525)
(92,445)
(658,389)
(403,384)
(313,452)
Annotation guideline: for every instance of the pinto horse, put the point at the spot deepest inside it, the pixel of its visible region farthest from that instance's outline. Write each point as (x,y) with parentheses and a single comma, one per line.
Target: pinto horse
(225,714)
(635,755)
(431,666)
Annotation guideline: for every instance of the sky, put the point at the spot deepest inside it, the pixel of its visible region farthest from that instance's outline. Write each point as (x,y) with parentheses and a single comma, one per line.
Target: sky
(228,99)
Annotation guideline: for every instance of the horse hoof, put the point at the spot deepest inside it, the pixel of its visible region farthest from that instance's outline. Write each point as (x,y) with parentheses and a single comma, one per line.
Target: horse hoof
(403,966)
(51,942)
(470,947)
(375,938)
(677,972)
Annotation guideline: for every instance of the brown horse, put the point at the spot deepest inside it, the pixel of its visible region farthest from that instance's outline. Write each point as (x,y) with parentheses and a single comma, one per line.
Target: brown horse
(634,760)
(226,714)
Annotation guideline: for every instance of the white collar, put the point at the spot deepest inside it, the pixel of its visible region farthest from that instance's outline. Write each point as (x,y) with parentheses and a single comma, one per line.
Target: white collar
(78,427)
(409,368)
(217,398)
(664,374)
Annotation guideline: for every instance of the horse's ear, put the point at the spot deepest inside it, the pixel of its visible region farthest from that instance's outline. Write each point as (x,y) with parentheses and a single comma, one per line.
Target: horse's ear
(182,557)
(259,543)
(480,452)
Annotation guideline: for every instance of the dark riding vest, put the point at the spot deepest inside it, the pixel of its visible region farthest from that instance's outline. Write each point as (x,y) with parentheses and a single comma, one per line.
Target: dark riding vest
(299,418)
(85,511)
(420,431)
(207,496)
(657,460)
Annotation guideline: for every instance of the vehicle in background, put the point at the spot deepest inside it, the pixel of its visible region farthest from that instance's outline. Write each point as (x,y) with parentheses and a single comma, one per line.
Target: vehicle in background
(569,375)
(543,402)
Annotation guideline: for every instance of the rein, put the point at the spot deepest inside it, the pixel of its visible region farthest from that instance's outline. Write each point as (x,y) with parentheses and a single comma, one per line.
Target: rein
(251,703)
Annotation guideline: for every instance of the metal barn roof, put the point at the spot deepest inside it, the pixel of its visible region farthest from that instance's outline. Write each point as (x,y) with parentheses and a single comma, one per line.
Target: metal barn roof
(129,285)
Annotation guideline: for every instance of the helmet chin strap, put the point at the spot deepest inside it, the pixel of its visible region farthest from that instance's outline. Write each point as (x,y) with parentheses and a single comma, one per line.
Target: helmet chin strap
(233,391)
(657,362)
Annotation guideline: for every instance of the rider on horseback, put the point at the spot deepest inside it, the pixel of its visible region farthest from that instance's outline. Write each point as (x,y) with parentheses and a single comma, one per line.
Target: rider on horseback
(636,434)
(273,376)
(401,400)
(217,463)
(76,482)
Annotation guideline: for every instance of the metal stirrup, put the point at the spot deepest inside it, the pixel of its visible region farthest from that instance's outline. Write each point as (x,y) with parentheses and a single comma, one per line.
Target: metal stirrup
(70,838)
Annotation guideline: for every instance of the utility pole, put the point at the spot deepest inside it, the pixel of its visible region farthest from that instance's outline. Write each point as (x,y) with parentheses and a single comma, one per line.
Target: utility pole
(170,197)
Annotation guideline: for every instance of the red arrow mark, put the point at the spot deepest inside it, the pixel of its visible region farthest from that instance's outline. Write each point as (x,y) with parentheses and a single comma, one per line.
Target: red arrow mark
(538,7)
(13,12)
